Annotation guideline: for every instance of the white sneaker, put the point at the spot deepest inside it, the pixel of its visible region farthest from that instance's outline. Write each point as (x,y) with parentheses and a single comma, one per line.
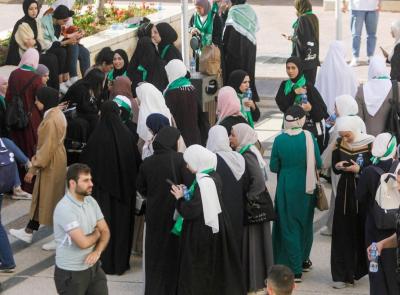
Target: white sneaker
(355,62)
(19,194)
(341,285)
(325,231)
(71,81)
(22,235)
(51,246)
(63,88)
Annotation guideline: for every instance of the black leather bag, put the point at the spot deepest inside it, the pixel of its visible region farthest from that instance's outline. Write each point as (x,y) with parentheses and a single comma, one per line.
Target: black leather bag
(393,119)
(259,208)
(16,117)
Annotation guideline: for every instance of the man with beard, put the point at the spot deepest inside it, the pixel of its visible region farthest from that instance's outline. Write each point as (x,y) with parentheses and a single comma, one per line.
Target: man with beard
(82,235)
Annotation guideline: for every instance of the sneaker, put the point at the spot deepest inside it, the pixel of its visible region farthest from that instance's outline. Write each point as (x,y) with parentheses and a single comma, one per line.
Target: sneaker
(297,278)
(7,269)
(325,231)
(71,81)
(19,194)
(355,62)
(307,265)
(51,246)
(63,88)
(22,235)
(341,285)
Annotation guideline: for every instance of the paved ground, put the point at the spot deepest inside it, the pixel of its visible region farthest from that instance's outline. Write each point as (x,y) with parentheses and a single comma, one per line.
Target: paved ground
(35,267)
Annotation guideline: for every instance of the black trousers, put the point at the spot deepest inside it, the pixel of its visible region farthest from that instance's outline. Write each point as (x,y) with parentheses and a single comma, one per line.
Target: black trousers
(311,75)
(91,281)
(61,53)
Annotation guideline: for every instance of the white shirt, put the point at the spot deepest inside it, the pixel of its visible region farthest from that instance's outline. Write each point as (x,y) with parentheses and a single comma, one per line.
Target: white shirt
(365,5)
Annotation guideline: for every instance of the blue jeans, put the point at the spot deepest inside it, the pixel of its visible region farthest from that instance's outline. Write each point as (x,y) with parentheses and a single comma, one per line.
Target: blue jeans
(78,52)
(6,256)
(358,18)
(19,156)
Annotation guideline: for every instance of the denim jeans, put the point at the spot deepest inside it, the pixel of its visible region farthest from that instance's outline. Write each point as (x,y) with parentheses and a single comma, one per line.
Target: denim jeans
(6,256)
(19,156)
(358,18)
(78,52)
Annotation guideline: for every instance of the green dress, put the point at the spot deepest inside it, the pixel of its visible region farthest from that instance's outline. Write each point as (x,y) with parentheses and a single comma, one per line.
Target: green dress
(292,234)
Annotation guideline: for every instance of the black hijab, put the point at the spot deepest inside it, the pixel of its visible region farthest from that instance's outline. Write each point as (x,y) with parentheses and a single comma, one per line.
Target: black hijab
(166,140)
(144,55)
(299,64)
(121,71)
(13,57)
(236,79)
(49,97)
(168,35)
(111,154)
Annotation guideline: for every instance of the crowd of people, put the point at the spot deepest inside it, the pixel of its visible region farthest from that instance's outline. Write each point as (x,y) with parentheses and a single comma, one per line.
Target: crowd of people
(121,160)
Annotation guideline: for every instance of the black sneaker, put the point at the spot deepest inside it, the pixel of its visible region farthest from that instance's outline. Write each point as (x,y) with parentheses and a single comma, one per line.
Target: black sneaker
(297,278)
(307,265)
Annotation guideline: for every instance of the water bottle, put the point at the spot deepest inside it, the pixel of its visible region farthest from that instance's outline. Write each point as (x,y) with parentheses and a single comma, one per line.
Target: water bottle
(360,160)
(304,98)
(330,120)
(186,194)
(247,96)
(192,65)
(373,265)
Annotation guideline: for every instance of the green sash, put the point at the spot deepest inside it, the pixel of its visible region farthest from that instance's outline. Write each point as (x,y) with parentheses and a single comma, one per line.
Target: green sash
(177,229)
(2,101)
(206,28)
(110,75)
(164,51)
(178,83)
(144,72)
(289,86)
(246,114)
(244,149)
(296,23)
(28,68)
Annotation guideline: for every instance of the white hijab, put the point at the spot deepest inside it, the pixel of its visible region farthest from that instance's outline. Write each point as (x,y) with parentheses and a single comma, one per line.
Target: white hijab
(335,76)
(377,87)
(396,35)
(353,124)
(218,142)
(151,101)
(175,69)
(384,143)
(247,135)
(200,159)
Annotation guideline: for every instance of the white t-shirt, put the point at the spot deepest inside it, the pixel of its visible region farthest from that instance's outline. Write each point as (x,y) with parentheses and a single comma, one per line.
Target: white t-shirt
(364,4)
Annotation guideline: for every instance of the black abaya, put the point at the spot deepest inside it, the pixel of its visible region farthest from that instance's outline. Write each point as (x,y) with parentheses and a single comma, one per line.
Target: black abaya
(161,246)
(239,54)
(384,281)
(210,263)
(112,155)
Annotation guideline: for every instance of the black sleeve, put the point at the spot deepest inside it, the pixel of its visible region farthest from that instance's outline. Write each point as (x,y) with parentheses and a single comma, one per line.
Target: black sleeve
(284,101)
(191,22)
(395,64)
(141,183)
(305,34)
(255,113)
(335,160)
(319,110)
(217,30)
(367,185)
(192,209)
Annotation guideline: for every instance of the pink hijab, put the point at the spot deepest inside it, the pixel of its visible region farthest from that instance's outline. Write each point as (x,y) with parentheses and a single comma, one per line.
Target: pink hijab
(228,103)
(3,80)
(30,58)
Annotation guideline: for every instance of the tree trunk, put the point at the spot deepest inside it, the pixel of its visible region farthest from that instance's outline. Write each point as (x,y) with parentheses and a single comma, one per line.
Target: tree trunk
(100,11)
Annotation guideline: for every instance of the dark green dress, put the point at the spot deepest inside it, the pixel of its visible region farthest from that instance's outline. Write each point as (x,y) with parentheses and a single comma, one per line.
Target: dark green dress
(293,229)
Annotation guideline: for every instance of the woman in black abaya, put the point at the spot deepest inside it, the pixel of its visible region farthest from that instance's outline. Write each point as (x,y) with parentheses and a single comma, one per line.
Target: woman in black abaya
(164,36)
(161,246)
(112,155)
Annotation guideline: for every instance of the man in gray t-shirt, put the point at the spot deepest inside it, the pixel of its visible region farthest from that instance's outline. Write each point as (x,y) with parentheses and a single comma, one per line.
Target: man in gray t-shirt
(81,235)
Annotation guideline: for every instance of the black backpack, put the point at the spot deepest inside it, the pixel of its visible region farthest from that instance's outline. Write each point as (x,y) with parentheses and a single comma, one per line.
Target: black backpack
(16,117)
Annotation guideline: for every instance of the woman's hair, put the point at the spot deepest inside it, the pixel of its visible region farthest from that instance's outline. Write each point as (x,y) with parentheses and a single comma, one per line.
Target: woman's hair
(106,55)
(302,6)
(94,80)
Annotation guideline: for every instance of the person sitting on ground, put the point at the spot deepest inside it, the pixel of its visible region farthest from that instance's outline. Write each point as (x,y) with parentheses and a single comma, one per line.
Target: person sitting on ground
(82,235)
(164,36)
(147,66)
(28,33)
(123,86)
(280,281)
(120,65)
(49,164)
(43,72)
(51,26)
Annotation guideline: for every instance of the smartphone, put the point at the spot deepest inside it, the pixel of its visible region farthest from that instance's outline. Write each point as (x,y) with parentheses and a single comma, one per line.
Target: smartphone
(347,164)
(170,182)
